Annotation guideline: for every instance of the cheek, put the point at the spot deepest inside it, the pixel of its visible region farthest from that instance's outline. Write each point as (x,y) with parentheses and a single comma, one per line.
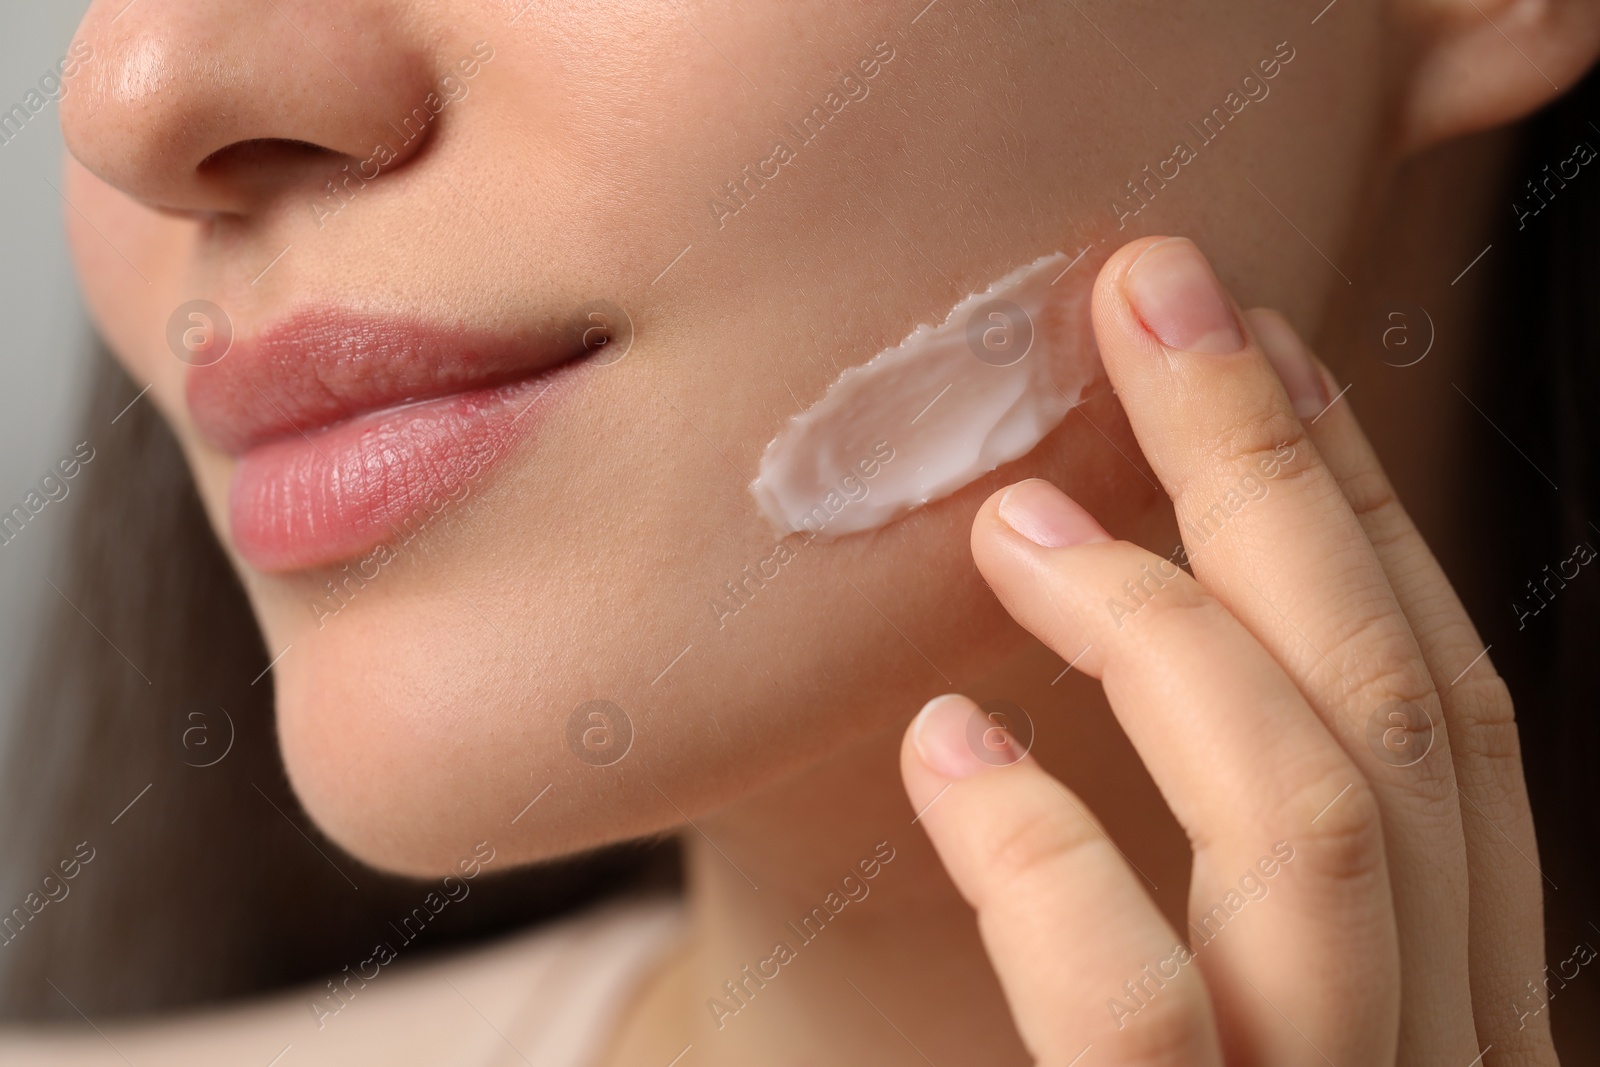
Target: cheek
(439,699)
(129,265)
(125,255)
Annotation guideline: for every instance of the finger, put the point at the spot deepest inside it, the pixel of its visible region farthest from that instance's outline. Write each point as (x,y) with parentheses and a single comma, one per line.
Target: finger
(1505,930)
(1064,919)
(1272,536)
(1276,811)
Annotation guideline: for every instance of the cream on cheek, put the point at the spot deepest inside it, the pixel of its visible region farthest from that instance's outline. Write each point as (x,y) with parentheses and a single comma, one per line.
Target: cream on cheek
(938,410)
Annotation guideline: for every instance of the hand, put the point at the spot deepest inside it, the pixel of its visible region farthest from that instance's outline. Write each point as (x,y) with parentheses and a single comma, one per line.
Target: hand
(1281,698)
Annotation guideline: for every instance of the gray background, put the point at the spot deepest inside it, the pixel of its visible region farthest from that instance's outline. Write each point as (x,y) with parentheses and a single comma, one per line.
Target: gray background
(44,335)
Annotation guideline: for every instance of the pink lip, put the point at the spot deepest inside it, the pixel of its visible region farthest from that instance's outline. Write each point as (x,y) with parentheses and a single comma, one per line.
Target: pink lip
(355,430)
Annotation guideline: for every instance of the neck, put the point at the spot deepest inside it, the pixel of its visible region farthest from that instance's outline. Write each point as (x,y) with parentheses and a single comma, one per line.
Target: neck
(1439,213)
(819,899)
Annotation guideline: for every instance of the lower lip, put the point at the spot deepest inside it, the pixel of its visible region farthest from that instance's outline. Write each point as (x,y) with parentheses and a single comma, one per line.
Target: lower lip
(380,478)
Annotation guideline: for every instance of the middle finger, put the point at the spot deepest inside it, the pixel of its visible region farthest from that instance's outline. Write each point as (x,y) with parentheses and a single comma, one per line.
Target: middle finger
(1272,536)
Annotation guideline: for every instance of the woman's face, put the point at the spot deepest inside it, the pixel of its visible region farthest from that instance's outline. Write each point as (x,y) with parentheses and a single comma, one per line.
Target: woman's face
(389,200)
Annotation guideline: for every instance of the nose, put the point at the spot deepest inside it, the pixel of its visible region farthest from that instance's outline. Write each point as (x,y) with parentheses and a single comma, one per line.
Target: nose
(219,106)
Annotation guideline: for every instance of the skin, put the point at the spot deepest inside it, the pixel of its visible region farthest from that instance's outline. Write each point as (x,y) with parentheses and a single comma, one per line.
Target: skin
(424,717)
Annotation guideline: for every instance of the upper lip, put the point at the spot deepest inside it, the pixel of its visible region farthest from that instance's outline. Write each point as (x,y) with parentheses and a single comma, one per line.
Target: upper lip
(322,366)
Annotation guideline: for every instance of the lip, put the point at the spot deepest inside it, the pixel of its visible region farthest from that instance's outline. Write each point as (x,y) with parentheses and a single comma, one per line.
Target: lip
(353,429)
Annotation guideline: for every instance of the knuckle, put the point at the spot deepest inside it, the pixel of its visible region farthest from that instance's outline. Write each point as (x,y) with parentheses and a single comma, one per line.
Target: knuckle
(1372,497)
(1271,440)
(1392,534)
(1260,432)
(1386,684)
(1485,743)
(1267,444)
(1382,659)
(1343,842)
(1168,620)
(1159,596)
(1171,1029)
(1183,603)
(1483,723)
(1043,841)
(1385,670)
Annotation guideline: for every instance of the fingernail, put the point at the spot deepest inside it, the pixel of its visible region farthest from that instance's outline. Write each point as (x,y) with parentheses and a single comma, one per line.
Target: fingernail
(949,732)
(1290,357)
(1048,517)
(1173,290)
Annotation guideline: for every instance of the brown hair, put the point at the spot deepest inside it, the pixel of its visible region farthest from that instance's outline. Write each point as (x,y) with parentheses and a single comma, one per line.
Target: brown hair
(1543,376)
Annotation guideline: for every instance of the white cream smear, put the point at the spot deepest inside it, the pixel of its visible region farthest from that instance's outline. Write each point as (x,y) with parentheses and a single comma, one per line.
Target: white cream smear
(937,411)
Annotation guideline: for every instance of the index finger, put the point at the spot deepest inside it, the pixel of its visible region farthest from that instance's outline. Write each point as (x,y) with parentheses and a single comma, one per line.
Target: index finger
(1271,534)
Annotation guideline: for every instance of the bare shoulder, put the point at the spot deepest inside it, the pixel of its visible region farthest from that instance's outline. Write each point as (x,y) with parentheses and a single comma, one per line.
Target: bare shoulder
(546,993)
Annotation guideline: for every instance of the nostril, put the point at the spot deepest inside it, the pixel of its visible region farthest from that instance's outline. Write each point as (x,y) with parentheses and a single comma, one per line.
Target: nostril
(273,155)
(266,150)
(251,171)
